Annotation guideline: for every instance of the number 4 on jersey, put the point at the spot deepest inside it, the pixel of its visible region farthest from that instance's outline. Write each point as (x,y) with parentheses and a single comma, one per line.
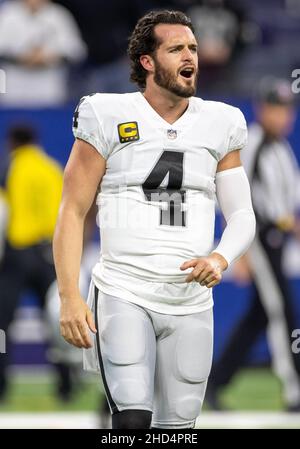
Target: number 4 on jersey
(170,163)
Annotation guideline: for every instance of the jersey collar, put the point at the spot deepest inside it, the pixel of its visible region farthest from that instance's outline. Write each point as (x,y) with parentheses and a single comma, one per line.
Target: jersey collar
(154,116)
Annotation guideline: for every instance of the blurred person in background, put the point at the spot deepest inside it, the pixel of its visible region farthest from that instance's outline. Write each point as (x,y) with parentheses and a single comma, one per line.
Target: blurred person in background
(38,42)
(31,186)
(273,174)
(219,29)
(3,222)
(105,27)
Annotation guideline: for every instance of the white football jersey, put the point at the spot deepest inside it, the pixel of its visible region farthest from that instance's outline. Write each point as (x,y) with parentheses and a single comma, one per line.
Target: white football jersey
(157,199)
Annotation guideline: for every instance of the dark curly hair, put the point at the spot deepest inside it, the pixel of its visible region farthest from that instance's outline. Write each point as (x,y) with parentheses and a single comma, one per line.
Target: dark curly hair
(143,41)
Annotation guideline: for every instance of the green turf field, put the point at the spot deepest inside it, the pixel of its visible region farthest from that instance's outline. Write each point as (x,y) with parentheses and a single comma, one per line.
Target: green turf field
(252,389)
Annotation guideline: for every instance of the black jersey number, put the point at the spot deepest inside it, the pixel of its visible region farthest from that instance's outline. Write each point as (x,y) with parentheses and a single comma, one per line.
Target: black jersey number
(76,112)
(170,163)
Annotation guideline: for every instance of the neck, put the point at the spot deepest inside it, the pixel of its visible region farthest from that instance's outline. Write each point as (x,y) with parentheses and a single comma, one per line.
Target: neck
(169,106)
(270,134)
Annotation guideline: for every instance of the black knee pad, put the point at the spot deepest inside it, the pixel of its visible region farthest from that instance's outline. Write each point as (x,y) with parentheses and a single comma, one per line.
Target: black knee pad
(132,419)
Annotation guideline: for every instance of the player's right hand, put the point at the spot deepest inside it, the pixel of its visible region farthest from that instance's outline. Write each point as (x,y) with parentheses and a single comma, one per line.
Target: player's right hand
(75,321)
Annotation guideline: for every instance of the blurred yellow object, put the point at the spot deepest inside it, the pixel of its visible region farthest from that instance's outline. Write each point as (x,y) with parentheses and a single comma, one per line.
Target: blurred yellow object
(286,224)
(33,193)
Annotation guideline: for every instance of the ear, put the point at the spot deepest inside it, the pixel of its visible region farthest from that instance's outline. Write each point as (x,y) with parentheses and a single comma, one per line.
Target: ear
(147,62)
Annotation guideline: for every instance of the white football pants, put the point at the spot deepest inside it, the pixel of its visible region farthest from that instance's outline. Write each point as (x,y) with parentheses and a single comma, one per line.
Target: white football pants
(151,361)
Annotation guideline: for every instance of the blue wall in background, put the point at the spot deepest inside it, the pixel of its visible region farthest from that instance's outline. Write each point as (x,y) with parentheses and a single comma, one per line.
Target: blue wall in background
(55,127)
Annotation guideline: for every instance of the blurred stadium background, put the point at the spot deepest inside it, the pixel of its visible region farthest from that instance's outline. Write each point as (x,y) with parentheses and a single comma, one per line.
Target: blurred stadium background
(255,39)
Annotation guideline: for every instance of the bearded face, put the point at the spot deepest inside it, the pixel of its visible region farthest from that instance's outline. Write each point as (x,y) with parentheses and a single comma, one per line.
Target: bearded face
(173,65)
(181,82)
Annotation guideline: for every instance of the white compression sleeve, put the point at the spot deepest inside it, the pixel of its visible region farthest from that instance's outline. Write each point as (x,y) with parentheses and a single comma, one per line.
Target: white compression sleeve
(234,197)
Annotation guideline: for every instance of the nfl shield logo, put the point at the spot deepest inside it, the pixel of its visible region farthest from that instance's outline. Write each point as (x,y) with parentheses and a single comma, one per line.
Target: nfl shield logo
(172,133)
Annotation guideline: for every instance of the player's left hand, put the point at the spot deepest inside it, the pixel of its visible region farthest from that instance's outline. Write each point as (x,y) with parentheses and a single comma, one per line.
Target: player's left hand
(207,270)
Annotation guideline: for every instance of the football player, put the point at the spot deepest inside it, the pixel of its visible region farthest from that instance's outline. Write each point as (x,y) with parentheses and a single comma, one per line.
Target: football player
(159,155)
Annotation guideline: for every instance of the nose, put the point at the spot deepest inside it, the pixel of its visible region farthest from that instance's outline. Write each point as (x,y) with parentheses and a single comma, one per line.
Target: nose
(188,55)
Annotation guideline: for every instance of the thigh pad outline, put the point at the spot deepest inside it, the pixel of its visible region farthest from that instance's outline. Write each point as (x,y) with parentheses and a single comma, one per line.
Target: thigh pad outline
(124,339)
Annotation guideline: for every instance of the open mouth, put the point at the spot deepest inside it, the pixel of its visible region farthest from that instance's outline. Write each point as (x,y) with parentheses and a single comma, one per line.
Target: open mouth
(187,72)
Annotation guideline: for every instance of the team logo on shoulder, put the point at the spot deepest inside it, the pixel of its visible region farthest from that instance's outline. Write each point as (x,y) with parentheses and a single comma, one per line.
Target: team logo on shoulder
(128,132)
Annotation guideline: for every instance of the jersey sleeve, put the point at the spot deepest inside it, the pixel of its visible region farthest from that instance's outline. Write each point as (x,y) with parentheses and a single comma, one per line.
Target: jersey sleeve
(86,126)
(238,133)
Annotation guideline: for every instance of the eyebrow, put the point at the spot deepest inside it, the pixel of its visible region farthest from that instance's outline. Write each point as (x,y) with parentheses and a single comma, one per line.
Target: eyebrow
(181,45)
